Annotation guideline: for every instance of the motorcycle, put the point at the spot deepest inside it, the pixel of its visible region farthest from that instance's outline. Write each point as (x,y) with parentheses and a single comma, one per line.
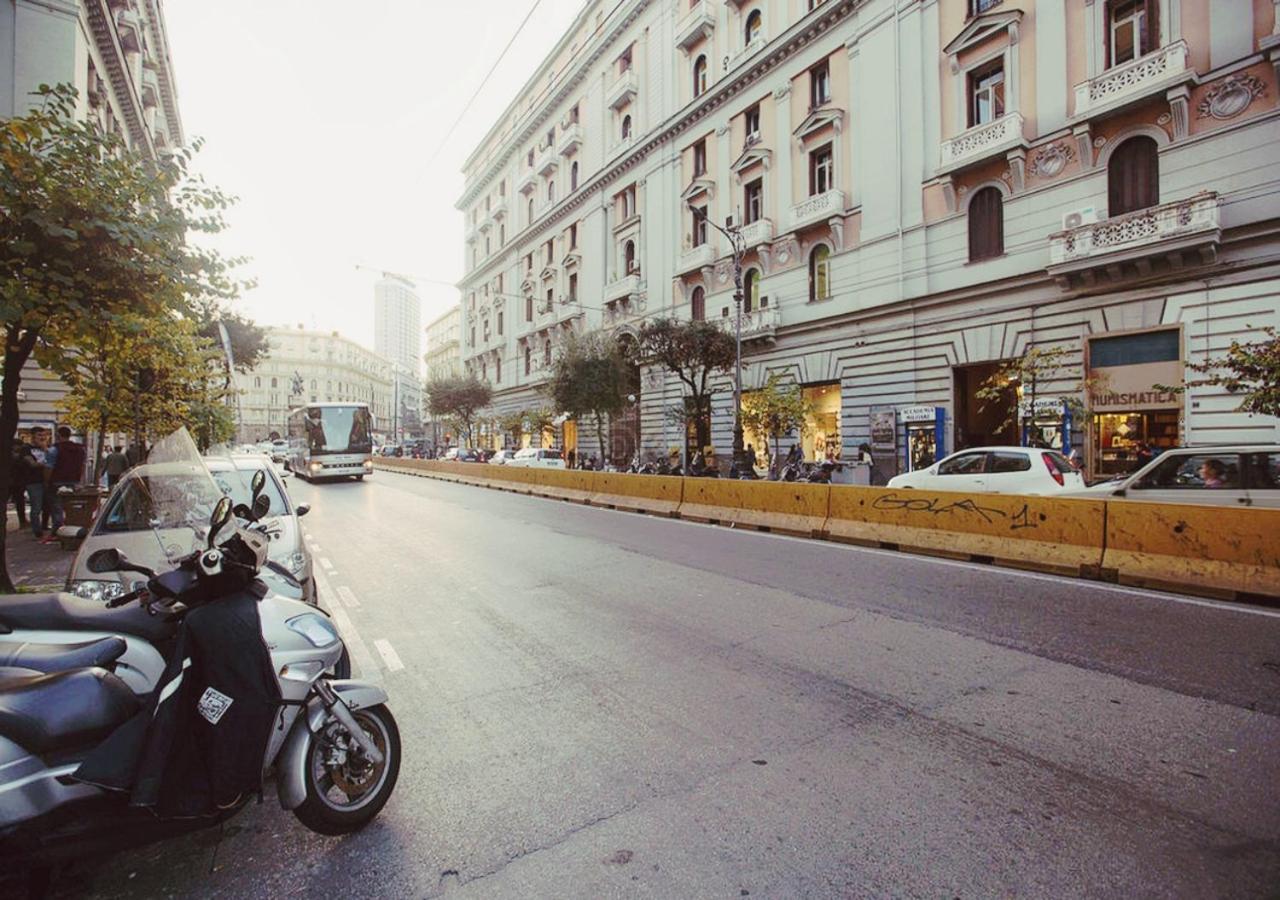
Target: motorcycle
(333,745)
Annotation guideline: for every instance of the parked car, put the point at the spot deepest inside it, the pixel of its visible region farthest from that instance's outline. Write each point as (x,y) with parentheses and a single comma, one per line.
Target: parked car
(996,470)
(501,457)
(279,450)
(538,458)
(462,454)
(1236,475)
(391,450)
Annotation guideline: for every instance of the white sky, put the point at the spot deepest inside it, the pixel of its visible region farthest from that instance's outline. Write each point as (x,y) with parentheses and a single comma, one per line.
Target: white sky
(321,117)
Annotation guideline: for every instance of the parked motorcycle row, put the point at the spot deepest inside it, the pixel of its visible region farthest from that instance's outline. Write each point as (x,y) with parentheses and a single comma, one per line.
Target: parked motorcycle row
(795,470)
(165,709)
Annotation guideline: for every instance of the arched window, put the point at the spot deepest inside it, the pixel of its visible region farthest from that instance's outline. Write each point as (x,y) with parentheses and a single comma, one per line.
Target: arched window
(986,224)
(698,305)
(546,352)
(626,127)
(629,257)
(551,192)
(820,273)
(573,177)
(257,382)
(530,209)
(313,384)
(755,26)
(700,76)
(273,383)
(751,290)
(1133,176)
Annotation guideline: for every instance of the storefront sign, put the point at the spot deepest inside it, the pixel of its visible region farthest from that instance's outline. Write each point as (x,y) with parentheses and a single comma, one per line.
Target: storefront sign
(918,414)
(1134,387)
(1044,406)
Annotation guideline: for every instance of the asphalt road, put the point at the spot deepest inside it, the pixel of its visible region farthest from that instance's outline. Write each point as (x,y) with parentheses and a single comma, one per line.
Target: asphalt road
(600,704)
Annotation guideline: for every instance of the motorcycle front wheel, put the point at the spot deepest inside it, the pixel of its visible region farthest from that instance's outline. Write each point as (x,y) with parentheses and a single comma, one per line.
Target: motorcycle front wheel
(344,789)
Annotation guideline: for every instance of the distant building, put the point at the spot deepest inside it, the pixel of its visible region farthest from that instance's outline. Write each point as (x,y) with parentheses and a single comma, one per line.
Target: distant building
(444,354)
(325,366)
(117,57)
(397,330)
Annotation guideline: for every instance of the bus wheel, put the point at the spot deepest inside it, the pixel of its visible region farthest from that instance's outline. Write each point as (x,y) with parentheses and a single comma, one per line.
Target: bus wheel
(359,478)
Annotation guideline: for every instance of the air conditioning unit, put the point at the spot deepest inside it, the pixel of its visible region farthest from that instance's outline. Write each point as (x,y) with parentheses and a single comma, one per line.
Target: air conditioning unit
(1085,215)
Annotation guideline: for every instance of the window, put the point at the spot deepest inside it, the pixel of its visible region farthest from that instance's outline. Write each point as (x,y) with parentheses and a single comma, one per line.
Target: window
(548,251)
(753,197)
(978,7)
(755,27)
(1264,473)
(1008,461)
(274,383)
(573,288)
(820,85)
(700,158)
(528,359)
(528,309)
(986,93)
(551,192)
(573,115)
(551,136)
(1133,176)
(628,203)
(530,209)
(1132,30)
(472,342)
(624,61)
(502,188)
(820,273)
(546,352)
(313,384)
(529,158)
(499,323)
(698,305)
(573,177)
(551,299)
(488,245)
(502,234)
(257,382)
(1210,470)
(1135,349)
(484,370)
(964,464)
(626,127)
(699,226)
(700,76)
(573,236)
(821,171)
(528,264)
(752,122)
(986,224)
(751,290)
(629,258)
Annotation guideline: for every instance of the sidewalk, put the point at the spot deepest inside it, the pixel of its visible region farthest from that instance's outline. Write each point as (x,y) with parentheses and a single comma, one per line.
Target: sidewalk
(32,565)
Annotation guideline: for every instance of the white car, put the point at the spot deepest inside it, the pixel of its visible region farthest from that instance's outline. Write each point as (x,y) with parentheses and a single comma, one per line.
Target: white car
(502,457)
(538,458)
(997,470)
(1237,475)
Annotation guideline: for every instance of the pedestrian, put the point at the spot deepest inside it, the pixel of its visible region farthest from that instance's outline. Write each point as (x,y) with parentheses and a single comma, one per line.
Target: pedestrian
(66,469)
(133,455)
(595,462)
(751,457)
(20,469)
(570,457)
(37,476)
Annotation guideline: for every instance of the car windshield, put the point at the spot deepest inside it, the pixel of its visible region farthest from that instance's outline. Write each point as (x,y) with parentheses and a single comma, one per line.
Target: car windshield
(237,483)
(157,500)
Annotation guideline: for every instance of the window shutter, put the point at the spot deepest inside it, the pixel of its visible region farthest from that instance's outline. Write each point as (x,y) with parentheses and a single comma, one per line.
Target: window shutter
(1133,176)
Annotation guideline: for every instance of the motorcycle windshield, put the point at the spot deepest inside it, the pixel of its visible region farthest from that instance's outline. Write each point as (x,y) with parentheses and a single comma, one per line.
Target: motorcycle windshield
(174,493)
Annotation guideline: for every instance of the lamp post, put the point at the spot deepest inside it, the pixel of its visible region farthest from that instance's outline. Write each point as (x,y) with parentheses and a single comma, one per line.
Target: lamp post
(733,234)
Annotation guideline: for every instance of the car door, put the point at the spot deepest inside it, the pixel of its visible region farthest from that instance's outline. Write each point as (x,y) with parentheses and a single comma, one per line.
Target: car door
(961,472)
(1208,477)
(1262,478)
(1010,472)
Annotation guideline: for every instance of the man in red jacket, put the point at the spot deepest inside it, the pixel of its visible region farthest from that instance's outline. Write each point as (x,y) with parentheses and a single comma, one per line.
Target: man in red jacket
(68,459)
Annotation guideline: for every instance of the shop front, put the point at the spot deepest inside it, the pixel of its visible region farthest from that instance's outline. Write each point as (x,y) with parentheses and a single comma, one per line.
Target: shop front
(924,430)
(1132,418)
(821,438)
(1046,423)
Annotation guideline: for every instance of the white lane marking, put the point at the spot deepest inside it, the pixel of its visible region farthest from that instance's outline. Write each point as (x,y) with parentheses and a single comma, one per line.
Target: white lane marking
(315,548)
(360,655)
(389,655)
(324,561)
(348,597)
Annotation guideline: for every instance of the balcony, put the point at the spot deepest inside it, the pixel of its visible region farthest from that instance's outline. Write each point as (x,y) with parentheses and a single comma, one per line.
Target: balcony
(570,139)
(547,161)
(1164,236)
(818,208)
(621,288)
(757,325)
(746,53)
(499,210)
(982,142)
(623,91)
(758,232)
(698,24)
(695,258)
(528,181)
(1151,74)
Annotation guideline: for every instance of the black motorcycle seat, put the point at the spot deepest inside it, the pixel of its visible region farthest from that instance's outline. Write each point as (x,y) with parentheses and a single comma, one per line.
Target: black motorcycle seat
(60,657)
(67,612)
(64,710)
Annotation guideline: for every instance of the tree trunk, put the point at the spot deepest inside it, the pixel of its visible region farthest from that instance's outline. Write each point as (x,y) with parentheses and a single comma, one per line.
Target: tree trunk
(775,468)
(18,347)
(604,453)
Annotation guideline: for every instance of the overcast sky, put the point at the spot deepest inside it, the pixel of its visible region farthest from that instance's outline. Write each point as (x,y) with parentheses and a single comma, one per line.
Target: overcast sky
(322,116)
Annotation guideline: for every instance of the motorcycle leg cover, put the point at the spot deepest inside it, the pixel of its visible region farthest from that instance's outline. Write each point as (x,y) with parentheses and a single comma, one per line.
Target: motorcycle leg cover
(199,743)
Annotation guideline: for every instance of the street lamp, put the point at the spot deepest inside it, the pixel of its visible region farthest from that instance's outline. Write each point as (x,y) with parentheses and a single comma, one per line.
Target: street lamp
(733,234)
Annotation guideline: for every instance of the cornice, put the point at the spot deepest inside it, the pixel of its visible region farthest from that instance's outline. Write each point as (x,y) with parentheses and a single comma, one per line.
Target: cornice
(101,24)
(168,87)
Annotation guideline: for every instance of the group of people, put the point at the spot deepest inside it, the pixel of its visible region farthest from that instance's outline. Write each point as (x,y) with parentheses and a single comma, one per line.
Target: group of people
(40,468)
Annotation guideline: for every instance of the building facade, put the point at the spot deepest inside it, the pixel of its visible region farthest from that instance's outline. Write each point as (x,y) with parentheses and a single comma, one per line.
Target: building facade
(311,367)
(926,190)
(116,55)
(444,357)
(397,330)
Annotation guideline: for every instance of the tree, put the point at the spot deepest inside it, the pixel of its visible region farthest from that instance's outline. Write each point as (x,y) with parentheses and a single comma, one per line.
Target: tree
(511,424)
(459,398)
(775,410)
(91,230)
(694,352)
(1035,372)
(1252,369)
(588,378)
(248,340)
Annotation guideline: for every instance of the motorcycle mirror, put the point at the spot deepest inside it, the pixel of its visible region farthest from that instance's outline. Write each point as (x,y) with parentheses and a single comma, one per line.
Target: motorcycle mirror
(261,506)
(302,509)
(107,559)
(221,515)
(257,483)
(242,511)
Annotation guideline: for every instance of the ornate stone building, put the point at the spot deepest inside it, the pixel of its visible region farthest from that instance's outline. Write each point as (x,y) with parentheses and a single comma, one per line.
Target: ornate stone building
(926,188)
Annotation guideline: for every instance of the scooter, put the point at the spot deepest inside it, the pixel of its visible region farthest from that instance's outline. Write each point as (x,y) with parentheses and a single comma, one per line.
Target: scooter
(335,748)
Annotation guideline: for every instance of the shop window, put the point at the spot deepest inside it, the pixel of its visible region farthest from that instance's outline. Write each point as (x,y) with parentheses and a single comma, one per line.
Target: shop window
(820,273)
(753,197)
(755,27)
(1133,176)
(698,305)
(821,436)
(986,224)
(1135,349)
(1132,30)
(821,171)
(700,76)
(986,93)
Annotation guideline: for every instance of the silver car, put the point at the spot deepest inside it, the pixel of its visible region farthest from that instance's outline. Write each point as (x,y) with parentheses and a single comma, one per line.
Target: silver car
(1235,475)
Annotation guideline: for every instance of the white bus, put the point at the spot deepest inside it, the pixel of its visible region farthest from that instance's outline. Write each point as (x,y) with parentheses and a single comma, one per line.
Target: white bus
(331,440)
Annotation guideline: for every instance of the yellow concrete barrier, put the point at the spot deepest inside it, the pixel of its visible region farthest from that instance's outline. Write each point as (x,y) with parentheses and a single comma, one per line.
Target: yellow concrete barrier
(658,494)
(1032,532)
(1201,549)
(520,479)
(565,484)
(791,507)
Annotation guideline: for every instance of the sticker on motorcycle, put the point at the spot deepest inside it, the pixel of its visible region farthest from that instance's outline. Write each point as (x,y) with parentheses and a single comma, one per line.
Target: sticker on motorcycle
(213,705)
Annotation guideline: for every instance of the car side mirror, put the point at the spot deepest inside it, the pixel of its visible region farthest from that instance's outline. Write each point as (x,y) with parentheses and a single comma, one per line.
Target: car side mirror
(221,515)
(302,509)
(108,559)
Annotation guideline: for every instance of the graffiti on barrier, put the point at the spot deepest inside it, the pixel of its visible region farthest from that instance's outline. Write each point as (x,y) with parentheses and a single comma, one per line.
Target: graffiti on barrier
(936,506)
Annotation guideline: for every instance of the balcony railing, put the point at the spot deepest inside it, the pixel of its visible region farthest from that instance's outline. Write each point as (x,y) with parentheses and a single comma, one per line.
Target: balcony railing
(1170,230)
(746,53)
(695,258)
(983,142)
(623,90)
(1150,74)
(759,324)
(570,139)
(622,287)
(698,23)
(758,232)
(817,208)
(547,160)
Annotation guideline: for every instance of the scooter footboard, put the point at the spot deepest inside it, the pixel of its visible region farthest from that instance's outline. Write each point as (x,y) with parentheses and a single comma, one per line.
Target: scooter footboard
(291,763)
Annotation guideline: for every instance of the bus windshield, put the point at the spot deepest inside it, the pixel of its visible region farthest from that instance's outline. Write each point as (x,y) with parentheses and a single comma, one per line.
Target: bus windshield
(338,429)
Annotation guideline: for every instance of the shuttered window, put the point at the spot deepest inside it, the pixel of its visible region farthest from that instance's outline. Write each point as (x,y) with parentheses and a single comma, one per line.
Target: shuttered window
(1133,176)
(986,224)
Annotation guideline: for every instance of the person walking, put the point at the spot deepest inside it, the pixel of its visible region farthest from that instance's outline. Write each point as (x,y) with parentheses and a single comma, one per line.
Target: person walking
(570,457)
(116,464)
(20,469)
(66,470)
(37,476)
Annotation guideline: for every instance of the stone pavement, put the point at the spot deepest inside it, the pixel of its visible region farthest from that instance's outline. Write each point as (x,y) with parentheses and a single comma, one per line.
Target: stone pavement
(32,565)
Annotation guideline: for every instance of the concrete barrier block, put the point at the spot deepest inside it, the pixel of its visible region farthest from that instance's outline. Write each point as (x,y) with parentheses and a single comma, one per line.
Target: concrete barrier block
(657,494)
(790,507)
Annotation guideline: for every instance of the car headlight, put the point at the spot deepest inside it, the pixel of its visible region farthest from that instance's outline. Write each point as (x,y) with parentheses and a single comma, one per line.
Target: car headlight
(368,464)
(98,591)
(315,467)
(315,629)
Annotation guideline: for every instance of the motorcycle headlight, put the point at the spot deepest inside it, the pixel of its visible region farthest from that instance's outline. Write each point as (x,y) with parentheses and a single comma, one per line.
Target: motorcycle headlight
(315,629)
(98,591)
